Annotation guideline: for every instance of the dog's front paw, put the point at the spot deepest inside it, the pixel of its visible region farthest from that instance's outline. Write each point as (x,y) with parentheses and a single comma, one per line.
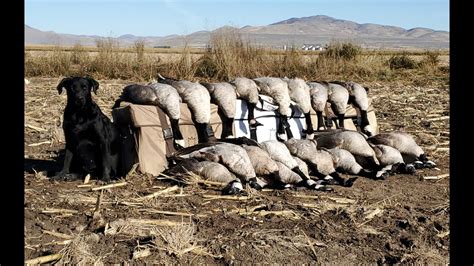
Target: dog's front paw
(103,182)
(106,179)
(61,176)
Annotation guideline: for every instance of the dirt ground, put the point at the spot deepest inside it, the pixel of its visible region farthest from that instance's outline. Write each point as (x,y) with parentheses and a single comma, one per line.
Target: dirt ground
(402,219)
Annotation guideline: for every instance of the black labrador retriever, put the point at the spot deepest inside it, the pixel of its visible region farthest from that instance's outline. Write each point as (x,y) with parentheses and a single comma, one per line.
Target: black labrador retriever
(92,140)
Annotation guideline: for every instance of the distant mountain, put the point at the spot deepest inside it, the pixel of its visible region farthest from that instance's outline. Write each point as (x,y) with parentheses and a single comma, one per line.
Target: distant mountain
(294,31)
(35,36)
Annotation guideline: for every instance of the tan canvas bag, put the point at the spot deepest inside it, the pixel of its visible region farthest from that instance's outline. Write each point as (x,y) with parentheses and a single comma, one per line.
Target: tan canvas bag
(150,144)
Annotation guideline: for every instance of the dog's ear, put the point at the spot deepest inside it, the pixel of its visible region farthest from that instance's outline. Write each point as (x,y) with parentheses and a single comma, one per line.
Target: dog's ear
(93,84)
(366,89)
(64,83)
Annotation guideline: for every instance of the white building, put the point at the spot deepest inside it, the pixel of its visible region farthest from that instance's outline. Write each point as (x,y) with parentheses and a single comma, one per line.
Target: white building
(312,47)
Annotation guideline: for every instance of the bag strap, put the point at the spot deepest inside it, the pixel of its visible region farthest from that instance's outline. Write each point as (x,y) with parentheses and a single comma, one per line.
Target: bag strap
(167,132)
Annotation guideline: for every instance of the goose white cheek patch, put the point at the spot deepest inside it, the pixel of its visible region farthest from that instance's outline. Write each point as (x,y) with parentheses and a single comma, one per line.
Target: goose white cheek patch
(410,167)
(418,164)
(283,137)
(310,182)
(369,129)
(237,185)
(180,142)
(384,171)
(319,184)
(429,164)
(261,182)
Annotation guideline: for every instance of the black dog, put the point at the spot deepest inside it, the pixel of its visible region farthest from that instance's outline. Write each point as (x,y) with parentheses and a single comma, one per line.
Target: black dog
(92,141)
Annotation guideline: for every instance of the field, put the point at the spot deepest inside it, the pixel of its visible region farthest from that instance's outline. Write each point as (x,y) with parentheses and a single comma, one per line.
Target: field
(229,56)
(402,219)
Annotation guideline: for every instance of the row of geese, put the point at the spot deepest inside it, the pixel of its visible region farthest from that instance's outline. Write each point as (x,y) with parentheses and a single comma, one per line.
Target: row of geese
(314,164)
(168,93)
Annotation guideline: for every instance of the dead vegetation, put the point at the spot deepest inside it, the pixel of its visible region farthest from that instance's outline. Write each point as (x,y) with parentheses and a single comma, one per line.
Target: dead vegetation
(229,56)
(176,240)
(280,226)
(404,219)
(80,252)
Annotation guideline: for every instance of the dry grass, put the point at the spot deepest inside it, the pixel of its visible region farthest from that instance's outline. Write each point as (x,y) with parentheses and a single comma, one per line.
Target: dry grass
(127,227)
(426,254)
(229,56)
(402,62)
(139,47)
(195,50)
(191,178)
(418,110)
(178,240)
(94,49)
(79,251)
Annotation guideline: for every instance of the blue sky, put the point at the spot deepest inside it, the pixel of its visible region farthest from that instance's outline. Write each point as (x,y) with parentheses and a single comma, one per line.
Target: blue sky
(113,18)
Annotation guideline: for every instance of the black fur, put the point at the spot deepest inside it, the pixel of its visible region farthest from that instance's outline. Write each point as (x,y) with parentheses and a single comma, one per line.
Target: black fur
(92,141)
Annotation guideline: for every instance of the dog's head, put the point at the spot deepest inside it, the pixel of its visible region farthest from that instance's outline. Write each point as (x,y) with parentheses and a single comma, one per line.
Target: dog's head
(78,89)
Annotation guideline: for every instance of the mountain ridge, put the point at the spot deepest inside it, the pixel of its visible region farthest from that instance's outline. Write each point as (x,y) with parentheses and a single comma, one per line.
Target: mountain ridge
(320,29)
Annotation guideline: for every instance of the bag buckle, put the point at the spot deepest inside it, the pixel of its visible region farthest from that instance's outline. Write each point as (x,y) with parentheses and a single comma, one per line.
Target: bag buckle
(209,131)
(167,133)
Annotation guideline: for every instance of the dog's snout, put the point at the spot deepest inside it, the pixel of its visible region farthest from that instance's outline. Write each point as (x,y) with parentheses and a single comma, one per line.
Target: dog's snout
(80,99)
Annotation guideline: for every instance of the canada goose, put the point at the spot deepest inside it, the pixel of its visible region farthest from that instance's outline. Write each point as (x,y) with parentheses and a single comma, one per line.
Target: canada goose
(198,99)
(300,94)
(406,145)
(391,161)
(208,170)
(320,162)
(352,141)
(280,153)
(359,99)
(162,95)
(319,97)
(232,156)
(247,90)
(346,163)
(223,94)
(338,96)
(277,89)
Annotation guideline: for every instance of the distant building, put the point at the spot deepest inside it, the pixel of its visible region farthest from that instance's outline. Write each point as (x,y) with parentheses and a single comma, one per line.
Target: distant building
(312,47)
(289,47)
